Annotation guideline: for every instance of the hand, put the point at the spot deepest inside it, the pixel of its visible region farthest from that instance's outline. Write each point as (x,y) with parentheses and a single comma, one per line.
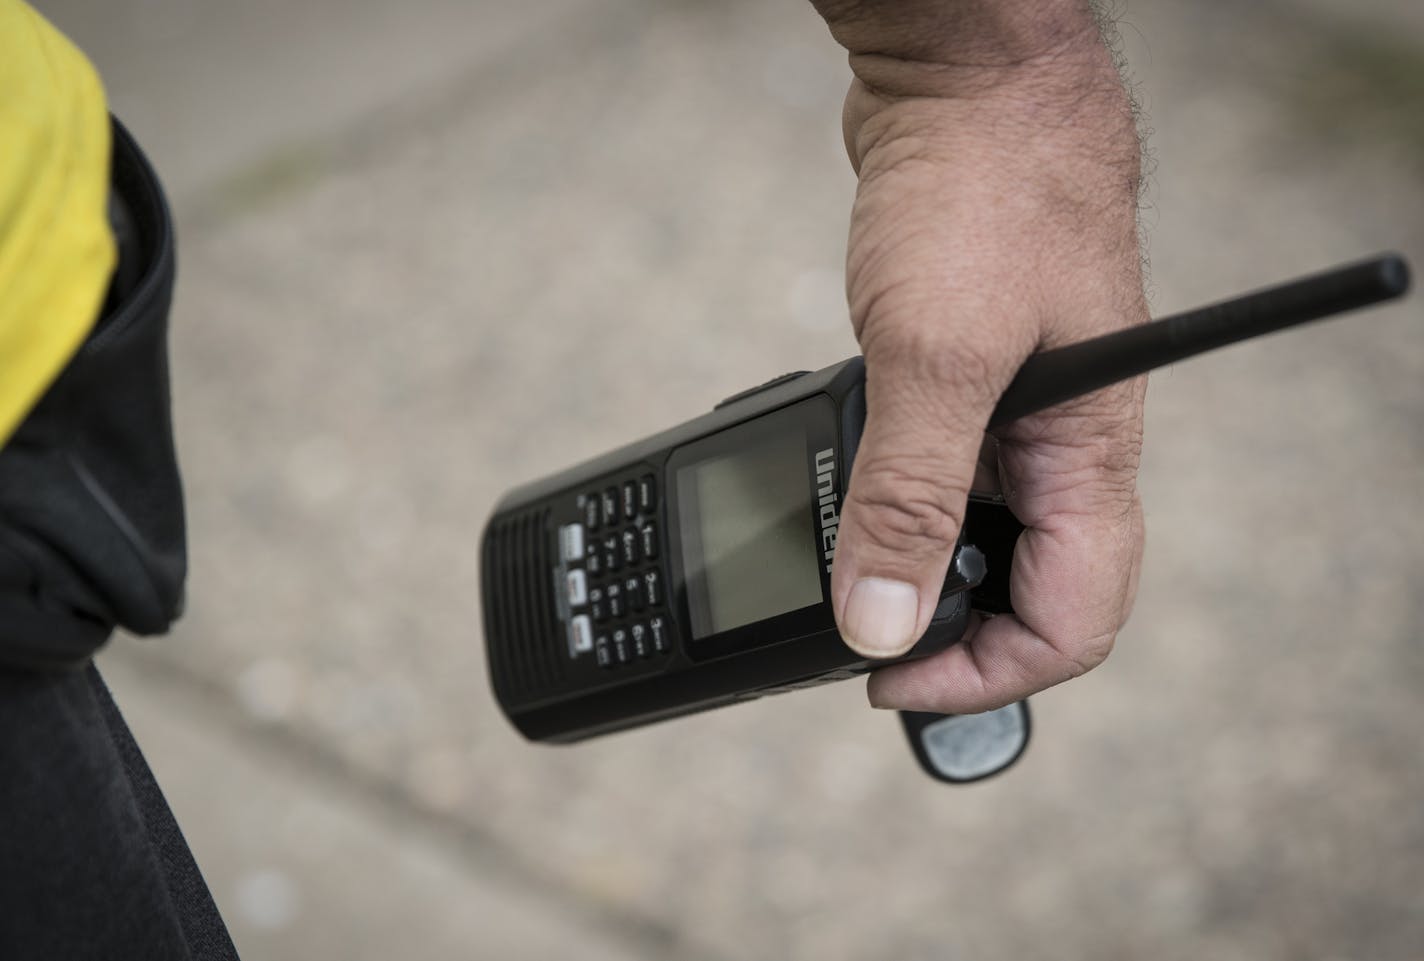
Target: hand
(995,216)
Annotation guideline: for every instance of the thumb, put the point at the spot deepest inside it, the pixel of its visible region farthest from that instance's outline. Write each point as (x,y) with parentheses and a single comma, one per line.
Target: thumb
(928,399)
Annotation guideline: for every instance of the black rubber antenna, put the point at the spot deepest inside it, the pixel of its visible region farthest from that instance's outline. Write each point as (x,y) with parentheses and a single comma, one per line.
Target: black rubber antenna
(1057,375)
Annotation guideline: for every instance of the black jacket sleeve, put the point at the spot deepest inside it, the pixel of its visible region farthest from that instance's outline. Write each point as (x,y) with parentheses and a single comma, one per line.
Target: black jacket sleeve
(91,506)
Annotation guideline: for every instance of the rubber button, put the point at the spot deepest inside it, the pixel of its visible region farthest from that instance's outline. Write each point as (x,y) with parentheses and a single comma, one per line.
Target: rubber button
(576,586)
(580,635)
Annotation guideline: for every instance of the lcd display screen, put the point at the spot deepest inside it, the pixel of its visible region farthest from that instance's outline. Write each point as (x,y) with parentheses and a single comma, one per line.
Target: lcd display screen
(748,536)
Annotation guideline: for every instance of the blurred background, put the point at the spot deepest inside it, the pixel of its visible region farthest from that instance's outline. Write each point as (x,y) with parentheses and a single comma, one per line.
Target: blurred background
(432,249)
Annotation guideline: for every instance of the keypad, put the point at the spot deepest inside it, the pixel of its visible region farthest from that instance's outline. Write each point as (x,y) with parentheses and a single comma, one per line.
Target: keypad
(658,627)
(631,544)
(612,553)
(613,577)
(633,593)
(630,500)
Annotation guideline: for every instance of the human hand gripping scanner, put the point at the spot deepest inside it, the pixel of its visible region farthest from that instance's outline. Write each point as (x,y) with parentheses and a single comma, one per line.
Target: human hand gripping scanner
(691,569)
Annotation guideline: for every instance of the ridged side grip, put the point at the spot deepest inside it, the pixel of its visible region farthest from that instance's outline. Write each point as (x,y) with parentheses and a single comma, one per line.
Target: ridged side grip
(526,648)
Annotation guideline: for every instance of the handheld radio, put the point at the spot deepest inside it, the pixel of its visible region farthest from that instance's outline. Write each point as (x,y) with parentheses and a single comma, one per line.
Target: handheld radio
(691,569)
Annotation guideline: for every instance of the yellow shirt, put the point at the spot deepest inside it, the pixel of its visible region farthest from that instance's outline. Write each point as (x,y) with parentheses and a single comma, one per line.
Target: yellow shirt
(56,248)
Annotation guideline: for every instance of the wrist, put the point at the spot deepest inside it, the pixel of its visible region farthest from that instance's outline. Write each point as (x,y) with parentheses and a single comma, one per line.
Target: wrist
(1044,127)
(1065,120)
(989,34)
(1043,66)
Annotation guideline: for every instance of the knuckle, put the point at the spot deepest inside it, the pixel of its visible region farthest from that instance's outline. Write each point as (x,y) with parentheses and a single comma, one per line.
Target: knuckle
(1093,458)
(1087,654)
(1111,490)
(901,510)
(941,358)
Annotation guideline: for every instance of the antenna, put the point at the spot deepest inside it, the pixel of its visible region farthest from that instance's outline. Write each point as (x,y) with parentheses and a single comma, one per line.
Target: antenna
(1053,376)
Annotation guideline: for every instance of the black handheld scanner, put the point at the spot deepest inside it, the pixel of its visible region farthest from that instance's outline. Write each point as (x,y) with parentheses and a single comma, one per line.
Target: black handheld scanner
(692,569)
